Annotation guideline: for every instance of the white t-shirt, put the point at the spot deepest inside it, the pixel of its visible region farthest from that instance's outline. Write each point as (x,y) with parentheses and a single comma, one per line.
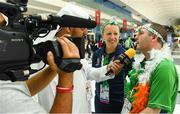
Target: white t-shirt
(82,88)
(15,98)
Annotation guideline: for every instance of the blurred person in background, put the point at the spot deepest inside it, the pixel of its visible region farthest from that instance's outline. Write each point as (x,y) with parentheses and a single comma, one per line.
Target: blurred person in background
(88,48)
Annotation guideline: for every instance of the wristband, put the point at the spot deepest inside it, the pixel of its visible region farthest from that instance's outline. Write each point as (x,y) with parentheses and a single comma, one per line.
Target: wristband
(64,89)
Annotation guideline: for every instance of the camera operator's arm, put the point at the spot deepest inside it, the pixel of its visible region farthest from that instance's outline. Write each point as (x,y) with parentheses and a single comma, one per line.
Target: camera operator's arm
(63,99)
(40,80)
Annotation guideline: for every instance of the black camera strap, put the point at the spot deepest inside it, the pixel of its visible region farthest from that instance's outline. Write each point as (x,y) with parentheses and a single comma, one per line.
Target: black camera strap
(14,75)
(4,77)
(69,65)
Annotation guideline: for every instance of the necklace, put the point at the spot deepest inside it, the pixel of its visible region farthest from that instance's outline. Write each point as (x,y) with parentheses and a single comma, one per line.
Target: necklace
(137,82)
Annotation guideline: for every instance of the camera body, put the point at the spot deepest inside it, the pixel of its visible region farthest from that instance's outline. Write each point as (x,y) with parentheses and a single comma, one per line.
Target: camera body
(15,49)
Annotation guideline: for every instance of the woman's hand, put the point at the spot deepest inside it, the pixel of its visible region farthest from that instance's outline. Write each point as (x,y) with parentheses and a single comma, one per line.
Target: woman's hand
(115,66)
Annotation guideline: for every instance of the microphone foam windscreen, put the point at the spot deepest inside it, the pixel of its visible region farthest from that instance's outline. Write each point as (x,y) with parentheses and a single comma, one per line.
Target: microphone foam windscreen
(130,53)
(72,21)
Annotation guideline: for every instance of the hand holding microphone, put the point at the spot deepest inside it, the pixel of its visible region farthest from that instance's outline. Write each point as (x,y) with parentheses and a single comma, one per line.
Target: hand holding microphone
(115,66)
(124,59)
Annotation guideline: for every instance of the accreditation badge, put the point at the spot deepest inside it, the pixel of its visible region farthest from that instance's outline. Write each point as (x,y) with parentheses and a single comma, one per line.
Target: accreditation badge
(104,93)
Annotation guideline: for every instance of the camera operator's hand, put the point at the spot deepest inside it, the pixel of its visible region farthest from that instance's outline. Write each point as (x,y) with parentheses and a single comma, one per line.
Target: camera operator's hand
(63,99)
(69,48)
(2,20)
(69,51)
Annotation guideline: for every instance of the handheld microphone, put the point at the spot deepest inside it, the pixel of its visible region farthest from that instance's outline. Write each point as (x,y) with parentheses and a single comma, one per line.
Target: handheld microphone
(125,58)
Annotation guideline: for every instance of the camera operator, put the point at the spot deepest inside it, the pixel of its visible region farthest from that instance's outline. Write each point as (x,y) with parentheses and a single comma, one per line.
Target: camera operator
(16,97)
(82,88)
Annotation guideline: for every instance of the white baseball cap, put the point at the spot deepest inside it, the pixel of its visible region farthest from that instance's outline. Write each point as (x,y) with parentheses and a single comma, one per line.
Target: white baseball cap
(73,10)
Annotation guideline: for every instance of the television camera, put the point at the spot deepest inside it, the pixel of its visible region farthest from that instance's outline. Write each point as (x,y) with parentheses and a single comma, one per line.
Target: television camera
(17,51)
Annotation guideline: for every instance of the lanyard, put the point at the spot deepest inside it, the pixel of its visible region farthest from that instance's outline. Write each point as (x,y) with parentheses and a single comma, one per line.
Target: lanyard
(105,61)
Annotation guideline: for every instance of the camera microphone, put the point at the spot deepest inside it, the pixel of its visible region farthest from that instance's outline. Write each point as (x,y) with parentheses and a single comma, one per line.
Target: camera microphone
(71,21)
(124,58)
(65,21)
